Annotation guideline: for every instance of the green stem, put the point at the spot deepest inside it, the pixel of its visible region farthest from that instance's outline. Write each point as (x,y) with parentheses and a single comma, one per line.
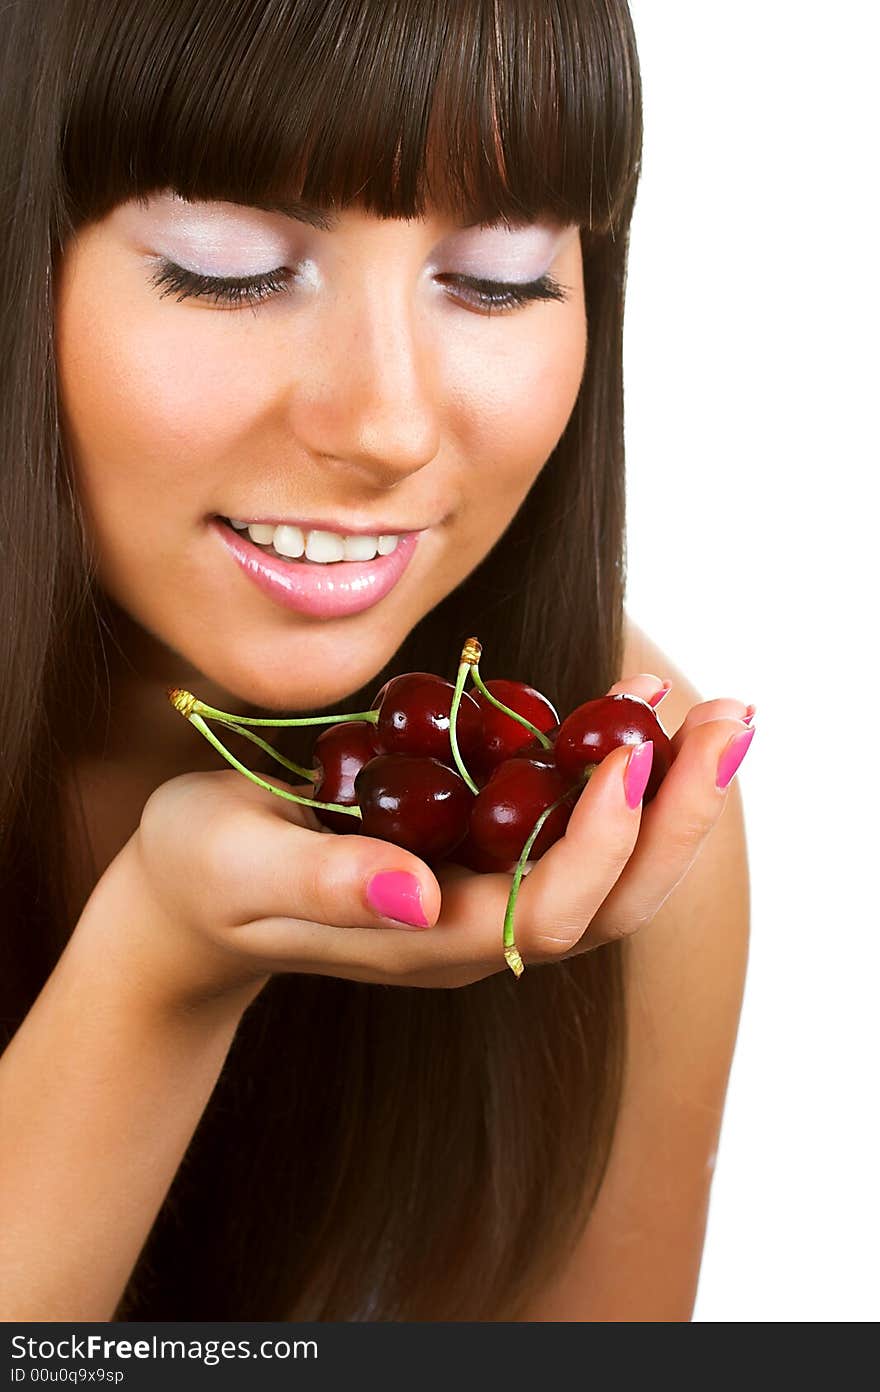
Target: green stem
(463,670)
(310,775)
(200,725)
(201,709)
(514,715)
(186,703)
(511,952)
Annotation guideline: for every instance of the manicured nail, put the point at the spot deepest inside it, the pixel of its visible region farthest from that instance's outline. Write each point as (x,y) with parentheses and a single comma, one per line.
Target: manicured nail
(749,715)
(397,894)
(732,756)
(658,695)
(637,772)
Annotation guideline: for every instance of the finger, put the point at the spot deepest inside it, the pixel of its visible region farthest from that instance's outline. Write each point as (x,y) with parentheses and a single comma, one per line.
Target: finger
(559,899)
(645,684)
(464,945)
(262,863)
(724,708)
(674,827)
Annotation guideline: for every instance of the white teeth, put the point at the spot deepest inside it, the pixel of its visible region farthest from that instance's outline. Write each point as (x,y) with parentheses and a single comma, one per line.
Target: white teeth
(289,541)
(324,547)
(360,548)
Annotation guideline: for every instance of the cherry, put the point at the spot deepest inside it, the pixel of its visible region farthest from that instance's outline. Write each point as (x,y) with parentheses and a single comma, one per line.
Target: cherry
(506,809)
(415,802)
(469,854)
(534,749)
(414,714)
(339,754)
(392,766)
(502,736)
(595,728)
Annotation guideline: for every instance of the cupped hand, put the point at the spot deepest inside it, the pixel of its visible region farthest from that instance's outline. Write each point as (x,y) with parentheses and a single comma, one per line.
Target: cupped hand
(249,884)
(615,866)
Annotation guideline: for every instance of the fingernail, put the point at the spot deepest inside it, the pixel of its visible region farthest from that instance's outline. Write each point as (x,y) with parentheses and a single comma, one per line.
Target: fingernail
(398,895)
(732,756)
(658,695)
(749,715)
(637,772)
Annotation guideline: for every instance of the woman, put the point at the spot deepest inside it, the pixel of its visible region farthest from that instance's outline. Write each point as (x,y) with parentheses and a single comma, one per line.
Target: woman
(354,269)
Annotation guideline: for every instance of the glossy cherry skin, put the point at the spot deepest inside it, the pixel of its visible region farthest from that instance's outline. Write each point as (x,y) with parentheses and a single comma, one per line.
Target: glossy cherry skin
(503,737)
(415,802)
(340,753)
(595,728)
(535,749)
(414,718)
(469,854)
(506,809)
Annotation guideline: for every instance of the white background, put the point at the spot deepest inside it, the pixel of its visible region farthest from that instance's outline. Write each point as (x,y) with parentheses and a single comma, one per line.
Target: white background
(751,360)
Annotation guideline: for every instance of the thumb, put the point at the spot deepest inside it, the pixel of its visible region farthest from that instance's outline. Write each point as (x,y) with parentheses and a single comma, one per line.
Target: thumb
(345,881)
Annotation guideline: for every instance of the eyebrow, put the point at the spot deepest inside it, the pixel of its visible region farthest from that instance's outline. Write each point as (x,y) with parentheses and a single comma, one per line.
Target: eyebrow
(315,217)
(301,212)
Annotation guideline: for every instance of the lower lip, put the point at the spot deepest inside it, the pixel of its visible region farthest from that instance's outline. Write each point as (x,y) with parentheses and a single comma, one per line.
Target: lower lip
(326,591)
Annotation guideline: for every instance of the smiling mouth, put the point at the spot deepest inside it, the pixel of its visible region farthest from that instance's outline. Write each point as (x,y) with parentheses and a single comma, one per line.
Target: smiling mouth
(324,589)
(291,542)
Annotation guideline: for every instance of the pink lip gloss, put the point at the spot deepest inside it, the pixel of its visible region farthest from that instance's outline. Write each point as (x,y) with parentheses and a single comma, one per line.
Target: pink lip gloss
(325,591)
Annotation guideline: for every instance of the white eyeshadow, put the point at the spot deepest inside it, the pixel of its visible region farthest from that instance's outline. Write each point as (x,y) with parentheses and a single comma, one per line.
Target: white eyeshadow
(210,238)
(518,254)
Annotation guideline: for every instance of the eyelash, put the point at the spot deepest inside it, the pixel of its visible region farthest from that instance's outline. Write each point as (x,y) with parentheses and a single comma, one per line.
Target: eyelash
(235,291)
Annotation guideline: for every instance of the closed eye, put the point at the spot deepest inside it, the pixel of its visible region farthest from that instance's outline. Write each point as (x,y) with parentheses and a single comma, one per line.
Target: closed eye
(236,291)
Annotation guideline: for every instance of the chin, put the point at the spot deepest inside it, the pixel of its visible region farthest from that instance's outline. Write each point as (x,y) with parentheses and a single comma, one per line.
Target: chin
(306,690)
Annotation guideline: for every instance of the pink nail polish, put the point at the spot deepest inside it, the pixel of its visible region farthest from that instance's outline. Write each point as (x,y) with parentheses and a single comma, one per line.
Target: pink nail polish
(637,772)
(659,695)
(732,756)
(397,894)
(749,715)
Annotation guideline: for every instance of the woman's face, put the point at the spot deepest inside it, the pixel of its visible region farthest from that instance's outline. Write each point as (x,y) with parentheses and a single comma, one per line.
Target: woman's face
(369,393)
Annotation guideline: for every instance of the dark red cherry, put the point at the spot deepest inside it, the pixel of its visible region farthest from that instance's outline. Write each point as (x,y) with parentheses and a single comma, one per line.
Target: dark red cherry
(415,802)
(340,753)
(506,809)
(469,854)
(503,737)
(414,718)
(595,728)
(534,747)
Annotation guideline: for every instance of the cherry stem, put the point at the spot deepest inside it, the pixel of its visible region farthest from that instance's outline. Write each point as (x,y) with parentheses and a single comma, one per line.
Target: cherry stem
(514,715)
(186,703)
(511,952)
(467,656)
(200,725)
(310,775)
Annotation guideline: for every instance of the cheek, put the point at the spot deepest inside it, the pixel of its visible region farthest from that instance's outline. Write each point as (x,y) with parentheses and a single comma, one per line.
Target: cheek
(147,397)
(516,398)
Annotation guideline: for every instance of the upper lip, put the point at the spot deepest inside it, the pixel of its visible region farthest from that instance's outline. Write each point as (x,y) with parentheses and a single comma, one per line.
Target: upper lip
(317,525)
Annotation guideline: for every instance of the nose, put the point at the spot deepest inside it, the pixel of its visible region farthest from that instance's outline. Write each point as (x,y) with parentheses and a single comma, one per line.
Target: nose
(366,401)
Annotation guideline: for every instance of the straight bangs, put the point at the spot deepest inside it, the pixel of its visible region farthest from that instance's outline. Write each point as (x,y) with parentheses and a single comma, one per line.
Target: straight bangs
(485,110)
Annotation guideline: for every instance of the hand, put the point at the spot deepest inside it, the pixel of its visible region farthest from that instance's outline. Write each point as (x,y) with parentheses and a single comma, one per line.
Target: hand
(615,867)
(236,884)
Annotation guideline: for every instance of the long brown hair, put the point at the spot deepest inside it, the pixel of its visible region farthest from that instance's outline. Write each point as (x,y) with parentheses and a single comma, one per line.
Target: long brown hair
(369,1152)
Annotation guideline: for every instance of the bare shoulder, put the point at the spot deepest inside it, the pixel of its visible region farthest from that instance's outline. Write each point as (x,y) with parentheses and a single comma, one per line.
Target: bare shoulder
(639,1257)
(641,654)
(687,969)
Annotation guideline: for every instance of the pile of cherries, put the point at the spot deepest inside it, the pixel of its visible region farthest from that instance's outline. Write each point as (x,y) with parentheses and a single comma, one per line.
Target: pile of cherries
(486,779)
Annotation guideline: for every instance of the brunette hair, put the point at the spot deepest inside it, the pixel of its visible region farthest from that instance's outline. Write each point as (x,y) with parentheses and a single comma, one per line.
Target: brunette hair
(369,1152)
